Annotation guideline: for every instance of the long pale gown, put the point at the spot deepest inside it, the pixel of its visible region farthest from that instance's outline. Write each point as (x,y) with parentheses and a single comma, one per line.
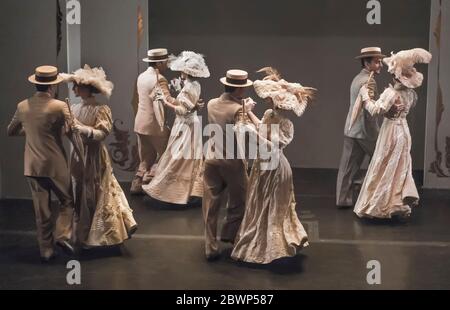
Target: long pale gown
(104,217)
(180,169)
(271,229)
(389,187)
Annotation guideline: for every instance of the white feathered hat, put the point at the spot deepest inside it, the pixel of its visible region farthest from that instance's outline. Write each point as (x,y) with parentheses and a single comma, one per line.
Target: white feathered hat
(95,77)
(190,63)
(287,96)
(401,65)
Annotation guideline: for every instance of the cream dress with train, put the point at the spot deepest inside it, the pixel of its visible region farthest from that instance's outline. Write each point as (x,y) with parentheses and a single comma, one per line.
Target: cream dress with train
(389,187)
(271,229)
(179,173)
(104,216)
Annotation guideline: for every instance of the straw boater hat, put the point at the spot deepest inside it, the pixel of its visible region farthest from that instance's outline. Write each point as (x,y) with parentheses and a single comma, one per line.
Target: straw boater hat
(95,77)
(370,52)
(236,78)
(157,55)
(190,63)
(45,75)
(401,65)
(287,96)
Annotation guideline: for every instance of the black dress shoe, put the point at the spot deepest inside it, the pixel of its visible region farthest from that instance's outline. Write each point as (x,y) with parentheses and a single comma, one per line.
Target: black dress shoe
(213,257)
(132,231)
(66,247)
(342,207)
(225,240)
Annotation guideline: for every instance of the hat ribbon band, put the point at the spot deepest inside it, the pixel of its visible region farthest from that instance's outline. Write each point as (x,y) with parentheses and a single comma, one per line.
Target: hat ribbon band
(161,57)
(45,79)
(370,54)
(236,81)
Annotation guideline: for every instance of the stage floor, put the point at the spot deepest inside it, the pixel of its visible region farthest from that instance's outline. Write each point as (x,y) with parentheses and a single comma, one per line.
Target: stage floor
(167,250)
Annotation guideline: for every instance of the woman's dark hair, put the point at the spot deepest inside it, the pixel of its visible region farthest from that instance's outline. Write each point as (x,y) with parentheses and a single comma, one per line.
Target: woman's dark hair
(42,88)
(192,78)
(91,88)
(94,90)
(366,60)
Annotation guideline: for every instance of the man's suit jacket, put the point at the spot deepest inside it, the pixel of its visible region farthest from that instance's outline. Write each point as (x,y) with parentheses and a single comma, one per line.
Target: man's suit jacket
(365,127)
(145,122)
(223,111)
(43,120)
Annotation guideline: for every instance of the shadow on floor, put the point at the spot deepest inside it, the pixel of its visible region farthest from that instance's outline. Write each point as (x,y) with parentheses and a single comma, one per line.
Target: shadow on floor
(286,265)
(393,222)
(195,202)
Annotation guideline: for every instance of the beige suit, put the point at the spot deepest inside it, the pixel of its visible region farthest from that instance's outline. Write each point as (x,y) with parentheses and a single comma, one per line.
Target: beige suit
(225,180)
(42,119)
(152,141)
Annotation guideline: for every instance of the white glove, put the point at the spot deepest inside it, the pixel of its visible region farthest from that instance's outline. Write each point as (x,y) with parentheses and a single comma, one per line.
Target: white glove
(200,103)
(364,93)
(83,130)
(249,104)
(176,84)
(159,97)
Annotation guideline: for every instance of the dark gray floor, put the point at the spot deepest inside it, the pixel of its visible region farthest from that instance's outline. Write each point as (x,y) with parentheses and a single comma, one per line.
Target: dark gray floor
(167,252)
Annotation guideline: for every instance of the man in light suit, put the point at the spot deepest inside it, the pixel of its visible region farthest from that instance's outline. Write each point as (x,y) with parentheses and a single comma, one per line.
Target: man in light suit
(42,120)
(152,139)
(225,178)
(359,140)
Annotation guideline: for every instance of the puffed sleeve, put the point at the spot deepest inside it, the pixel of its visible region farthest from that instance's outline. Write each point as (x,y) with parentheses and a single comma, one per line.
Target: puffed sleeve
(267,114)
(103,123)
(279,136)
(284,135)
(383,104)
(187,98)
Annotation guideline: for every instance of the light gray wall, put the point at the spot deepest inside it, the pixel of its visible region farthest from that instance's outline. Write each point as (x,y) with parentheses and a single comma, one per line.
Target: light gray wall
(313,42)
(27,40)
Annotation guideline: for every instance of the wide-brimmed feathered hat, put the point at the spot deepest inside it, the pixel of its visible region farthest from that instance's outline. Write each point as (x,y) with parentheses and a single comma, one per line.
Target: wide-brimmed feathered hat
(95,77)
(190,63)
(285,95)
(401,65)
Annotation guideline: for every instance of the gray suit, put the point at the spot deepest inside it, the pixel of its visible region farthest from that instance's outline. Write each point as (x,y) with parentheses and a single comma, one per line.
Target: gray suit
(359,141)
